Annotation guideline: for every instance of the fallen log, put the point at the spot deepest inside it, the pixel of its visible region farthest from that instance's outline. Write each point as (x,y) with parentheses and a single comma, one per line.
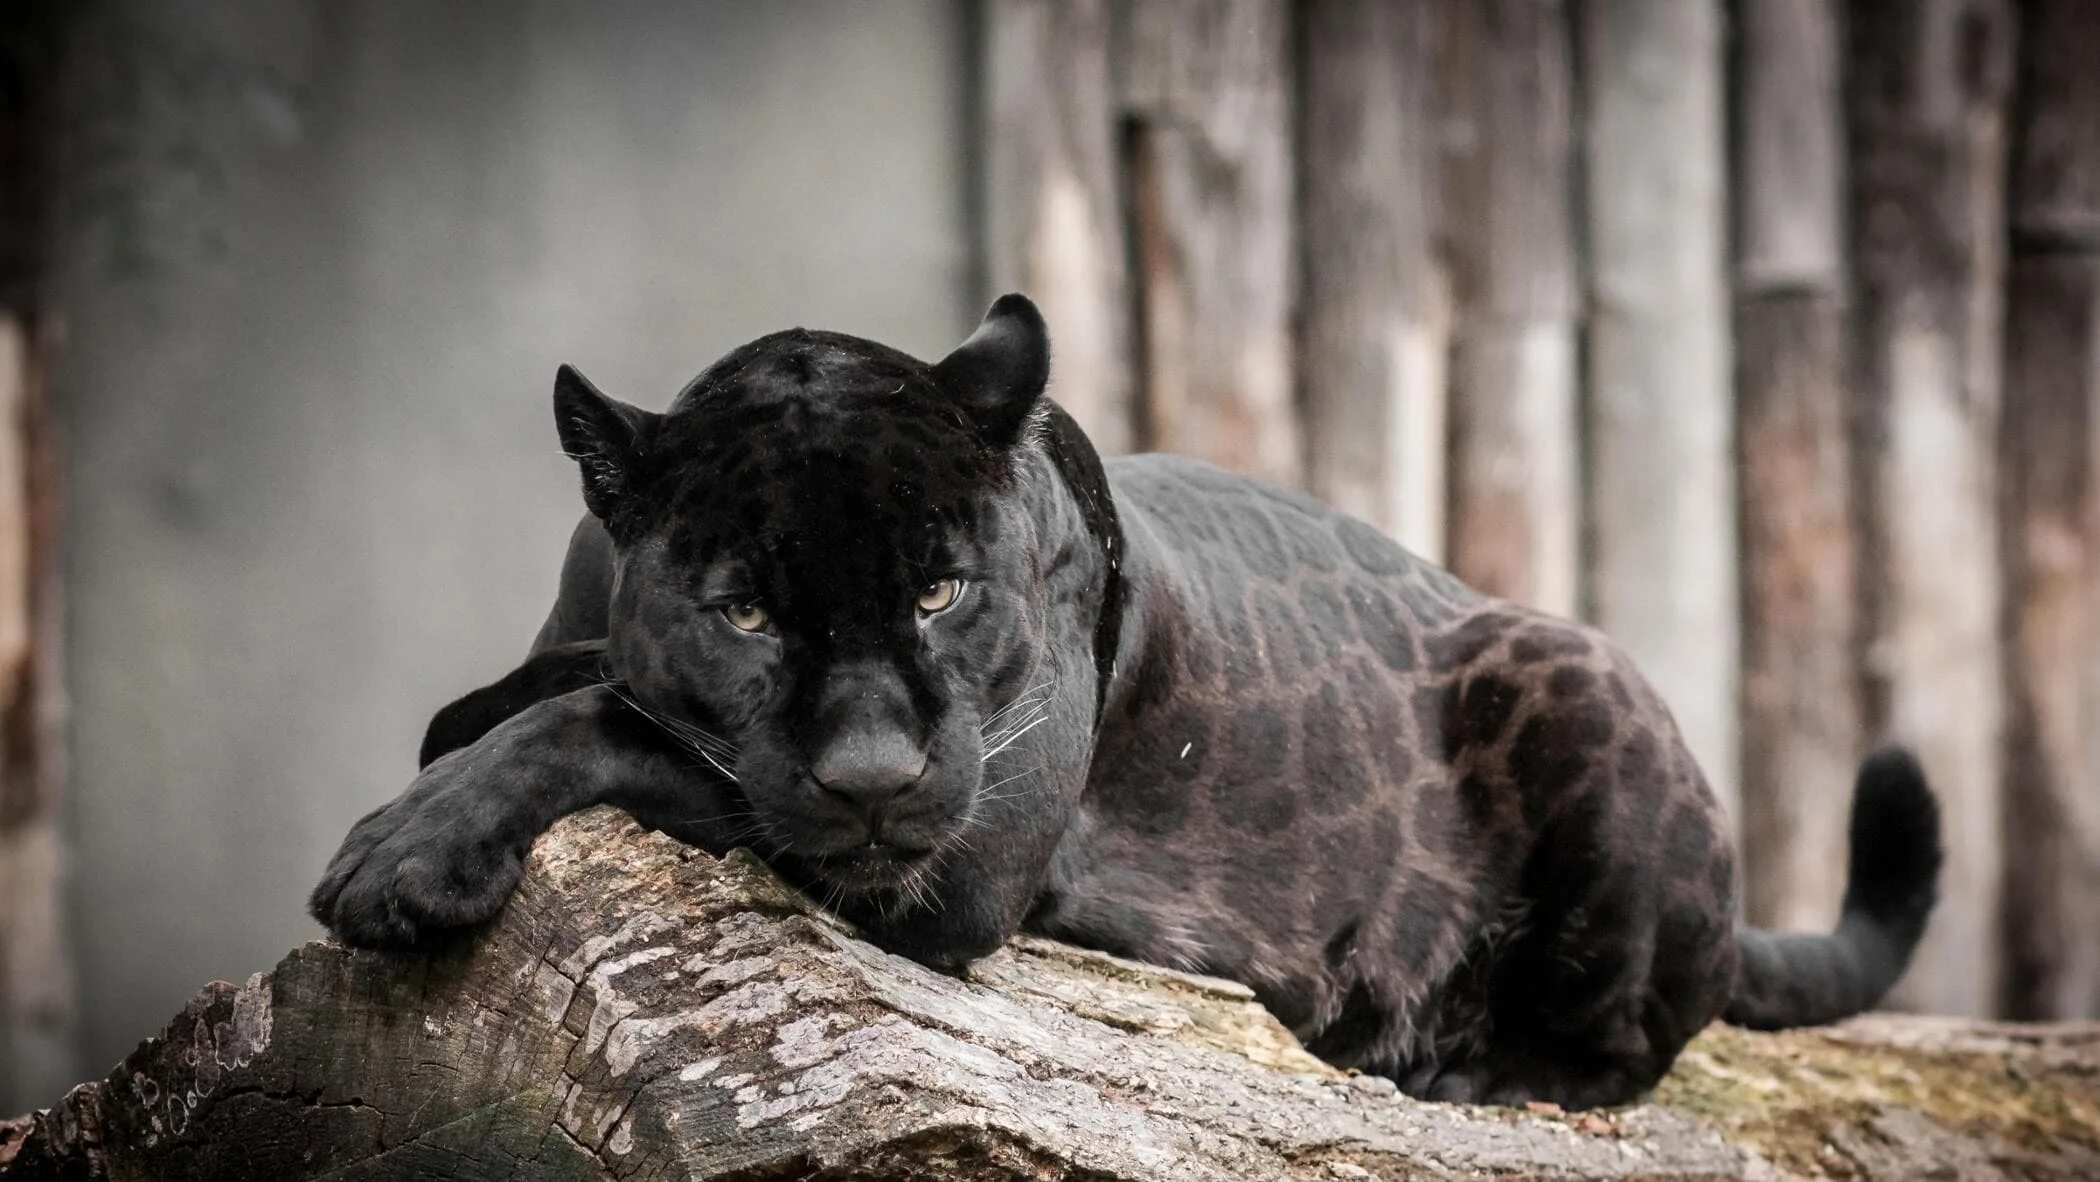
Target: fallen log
(642,1010)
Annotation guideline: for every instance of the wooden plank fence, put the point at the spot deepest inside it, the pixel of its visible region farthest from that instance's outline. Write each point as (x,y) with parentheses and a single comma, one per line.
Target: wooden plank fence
(2050,519)
(1801,720)
(1926,105)
(1765,333)
(1515,524)
(37,1021)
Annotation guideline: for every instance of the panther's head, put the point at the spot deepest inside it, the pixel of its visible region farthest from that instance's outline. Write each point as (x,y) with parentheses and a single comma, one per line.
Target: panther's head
(827,584)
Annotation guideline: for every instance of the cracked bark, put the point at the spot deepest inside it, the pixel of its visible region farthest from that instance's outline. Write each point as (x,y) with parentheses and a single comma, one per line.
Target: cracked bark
(644,1011)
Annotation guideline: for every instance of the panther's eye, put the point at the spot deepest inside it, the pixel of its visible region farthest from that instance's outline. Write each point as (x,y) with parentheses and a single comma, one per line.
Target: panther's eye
(939,596)
(748,617)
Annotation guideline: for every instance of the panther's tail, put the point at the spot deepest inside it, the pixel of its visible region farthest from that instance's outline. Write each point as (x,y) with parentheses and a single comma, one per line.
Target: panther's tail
(1801,980)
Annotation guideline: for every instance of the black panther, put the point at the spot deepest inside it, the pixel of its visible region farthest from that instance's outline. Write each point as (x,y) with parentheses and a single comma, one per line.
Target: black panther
(895,627)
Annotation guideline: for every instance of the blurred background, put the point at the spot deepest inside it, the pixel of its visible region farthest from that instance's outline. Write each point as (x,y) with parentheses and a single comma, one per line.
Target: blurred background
(1764,333)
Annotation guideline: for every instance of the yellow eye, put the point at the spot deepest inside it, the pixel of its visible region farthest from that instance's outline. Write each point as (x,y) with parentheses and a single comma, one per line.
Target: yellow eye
(748,616)
(939,596)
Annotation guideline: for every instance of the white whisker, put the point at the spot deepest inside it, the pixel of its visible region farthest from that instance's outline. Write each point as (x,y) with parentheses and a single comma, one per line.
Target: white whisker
(1008,740)
(1026,698)
(708,746)
(985,791)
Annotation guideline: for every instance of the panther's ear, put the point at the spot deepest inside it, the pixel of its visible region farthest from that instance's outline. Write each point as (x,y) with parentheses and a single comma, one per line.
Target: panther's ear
(604,437)
(998,374)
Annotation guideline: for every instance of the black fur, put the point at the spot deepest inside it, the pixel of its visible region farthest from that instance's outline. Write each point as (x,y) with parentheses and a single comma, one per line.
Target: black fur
(1804,980)
(552,673)
(998,375)
(604,437)
(1173,714)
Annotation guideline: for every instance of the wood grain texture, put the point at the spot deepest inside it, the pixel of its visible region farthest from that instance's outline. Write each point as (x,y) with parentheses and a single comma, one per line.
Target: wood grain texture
(1802,738)
(1660,464)
(1510,188)
(1053,200)
(37,1016)
(1789,137)
(1207,90)
(1376,314)
(1801,725)
(38,1020)
(1927,92)
(2049,516)
(2056,170)
(2050,521)
(643,1011)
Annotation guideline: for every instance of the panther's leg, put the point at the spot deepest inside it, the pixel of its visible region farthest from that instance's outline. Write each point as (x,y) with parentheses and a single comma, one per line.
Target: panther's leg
(1591,1008)
(566,655)
(546,674)
(448,852)
(1629,893)
(582,605)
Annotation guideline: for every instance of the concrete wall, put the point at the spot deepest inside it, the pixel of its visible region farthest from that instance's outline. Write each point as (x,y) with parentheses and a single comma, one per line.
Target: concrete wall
(321,262)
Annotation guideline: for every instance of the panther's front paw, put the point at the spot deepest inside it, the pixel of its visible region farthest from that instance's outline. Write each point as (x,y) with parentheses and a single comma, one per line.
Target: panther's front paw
(443,856)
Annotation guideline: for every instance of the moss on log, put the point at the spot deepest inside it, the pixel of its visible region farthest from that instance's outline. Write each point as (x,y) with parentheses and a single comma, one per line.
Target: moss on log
(644,1011)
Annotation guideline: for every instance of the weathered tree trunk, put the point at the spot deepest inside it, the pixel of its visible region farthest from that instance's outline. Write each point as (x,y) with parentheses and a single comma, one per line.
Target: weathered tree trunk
(1801,732)
(1207,86)
(2050,521)
(1052,197)
(36,987)
(1376,315)
(1516,490)
(1928,92)
(642,1010)
(1660,472)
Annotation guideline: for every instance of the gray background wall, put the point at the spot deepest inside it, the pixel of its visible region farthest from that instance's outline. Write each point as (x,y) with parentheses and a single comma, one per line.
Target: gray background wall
(320,262)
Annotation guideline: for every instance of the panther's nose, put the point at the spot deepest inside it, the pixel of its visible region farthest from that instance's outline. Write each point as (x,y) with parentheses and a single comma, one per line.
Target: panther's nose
(870,773)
